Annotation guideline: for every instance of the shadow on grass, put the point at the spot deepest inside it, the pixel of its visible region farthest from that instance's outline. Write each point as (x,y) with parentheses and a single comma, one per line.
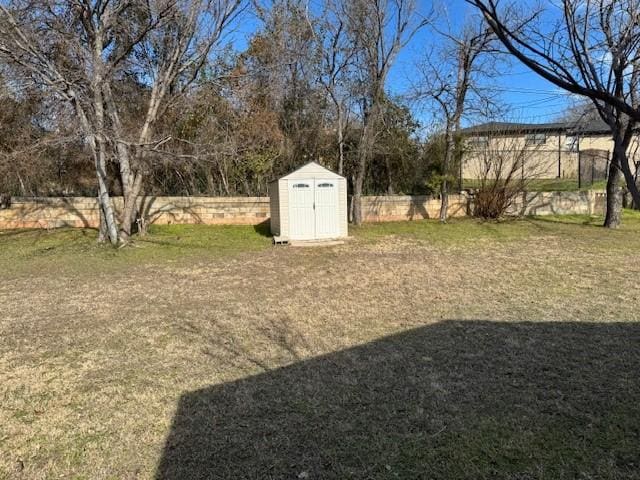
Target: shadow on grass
(263,228)
(458,399)
(205,237)
(54,238)
(578,221)
(550,225)
(176,242)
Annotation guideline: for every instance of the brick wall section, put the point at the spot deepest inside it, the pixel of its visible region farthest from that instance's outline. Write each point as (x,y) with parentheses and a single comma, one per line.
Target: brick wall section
(398,207)
(50,213)
(560,203)
(83,211)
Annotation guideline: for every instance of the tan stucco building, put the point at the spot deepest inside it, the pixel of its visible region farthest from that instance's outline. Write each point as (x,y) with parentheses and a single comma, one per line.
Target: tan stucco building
(549,150)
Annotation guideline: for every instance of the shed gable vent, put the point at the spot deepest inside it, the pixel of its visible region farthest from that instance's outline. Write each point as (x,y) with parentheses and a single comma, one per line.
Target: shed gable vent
(300,185)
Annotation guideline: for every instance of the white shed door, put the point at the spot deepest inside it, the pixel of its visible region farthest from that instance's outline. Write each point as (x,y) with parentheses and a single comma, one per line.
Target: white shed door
(301,210)
(326,203)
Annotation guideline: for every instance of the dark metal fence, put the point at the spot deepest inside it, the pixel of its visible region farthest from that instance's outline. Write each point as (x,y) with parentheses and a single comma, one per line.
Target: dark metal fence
(547,169)
(593,166)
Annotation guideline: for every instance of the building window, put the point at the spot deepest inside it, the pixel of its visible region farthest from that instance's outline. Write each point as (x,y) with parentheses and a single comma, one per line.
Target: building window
(478,142)
(571,143)
(535,139)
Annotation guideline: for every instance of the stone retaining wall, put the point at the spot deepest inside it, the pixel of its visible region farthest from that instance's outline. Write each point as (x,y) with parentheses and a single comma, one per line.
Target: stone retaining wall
(590,202)
(83,211)
(416,207)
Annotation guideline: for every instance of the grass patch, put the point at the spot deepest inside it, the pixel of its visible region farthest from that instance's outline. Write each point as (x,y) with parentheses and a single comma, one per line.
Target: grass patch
(549,185)
(454,232)
(473,399)
(471,350)
(77,249)
(471,231)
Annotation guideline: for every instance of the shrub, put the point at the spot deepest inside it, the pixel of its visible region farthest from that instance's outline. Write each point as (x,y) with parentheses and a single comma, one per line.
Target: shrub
(503,164)
(493,201)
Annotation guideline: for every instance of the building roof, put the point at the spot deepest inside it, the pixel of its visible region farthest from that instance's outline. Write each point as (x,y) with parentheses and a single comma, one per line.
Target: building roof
(582,127)
(585,127)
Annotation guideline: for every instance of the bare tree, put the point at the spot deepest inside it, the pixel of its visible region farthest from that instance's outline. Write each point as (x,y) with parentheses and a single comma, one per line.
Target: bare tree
(378,29)
(336,69)
(82,51)
(284,59)
(580,111)
(450,79)
(593,50)
(503,167)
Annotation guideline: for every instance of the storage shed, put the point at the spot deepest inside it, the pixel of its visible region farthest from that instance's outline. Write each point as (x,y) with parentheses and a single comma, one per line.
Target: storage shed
(309,204)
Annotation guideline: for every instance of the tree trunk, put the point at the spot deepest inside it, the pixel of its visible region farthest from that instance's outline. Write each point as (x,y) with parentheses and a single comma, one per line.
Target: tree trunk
(444,201)
(108,225)
(225,180)
(97,145)
(365,147)
(356,198)
(352,181)
(97,140)
(102,227)
(630,180)
(340,149)
(387,166)
(136,163)
(613,215)
(444,187)
(122,150)
(340,122)
(367,141)
(466,56)
(130,209)
(211,184)
(23,189)
(104,199)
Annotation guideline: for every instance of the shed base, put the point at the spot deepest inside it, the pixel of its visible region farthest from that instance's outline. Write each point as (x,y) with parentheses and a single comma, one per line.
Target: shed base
(316,243)
(277,240)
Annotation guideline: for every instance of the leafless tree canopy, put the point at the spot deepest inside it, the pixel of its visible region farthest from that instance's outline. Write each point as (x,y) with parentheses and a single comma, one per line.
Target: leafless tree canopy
(96,57)
(451,84)
(504,167)
(129,97)
(590,48)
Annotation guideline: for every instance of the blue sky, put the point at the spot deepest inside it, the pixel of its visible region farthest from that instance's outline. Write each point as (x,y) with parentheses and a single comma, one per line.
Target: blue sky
(528,97)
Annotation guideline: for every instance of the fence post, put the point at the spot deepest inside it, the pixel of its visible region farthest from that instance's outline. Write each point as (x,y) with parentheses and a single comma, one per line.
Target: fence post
(559,154)
(579,171)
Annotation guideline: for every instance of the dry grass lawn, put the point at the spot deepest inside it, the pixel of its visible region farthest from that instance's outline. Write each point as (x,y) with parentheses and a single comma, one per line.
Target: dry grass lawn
(416,350)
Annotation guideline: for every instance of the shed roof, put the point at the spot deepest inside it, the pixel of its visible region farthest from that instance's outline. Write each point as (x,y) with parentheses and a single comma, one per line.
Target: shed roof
(311,169)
